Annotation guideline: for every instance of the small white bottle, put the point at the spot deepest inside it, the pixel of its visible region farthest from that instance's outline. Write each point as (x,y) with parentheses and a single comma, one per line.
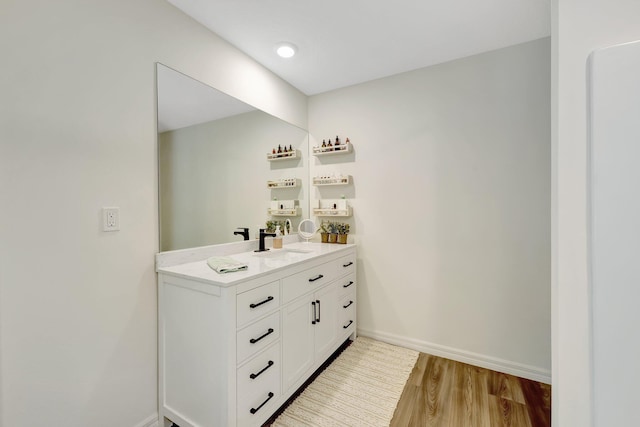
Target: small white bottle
(277,241)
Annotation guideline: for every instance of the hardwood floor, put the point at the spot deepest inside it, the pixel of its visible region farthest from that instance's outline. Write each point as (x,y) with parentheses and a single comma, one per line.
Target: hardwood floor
(444,393)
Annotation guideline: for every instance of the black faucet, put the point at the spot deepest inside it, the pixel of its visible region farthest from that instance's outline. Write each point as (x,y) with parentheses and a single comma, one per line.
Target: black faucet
(244,233)
(261,247)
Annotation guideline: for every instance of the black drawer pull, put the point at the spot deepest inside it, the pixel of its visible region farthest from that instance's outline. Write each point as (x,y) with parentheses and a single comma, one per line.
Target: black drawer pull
(345,306)
(348,324)
(255,340)
(318,277)
(254,376)
(318,302)
(254,410)
(269,298)
(347,264)
(315,316)
(348,284)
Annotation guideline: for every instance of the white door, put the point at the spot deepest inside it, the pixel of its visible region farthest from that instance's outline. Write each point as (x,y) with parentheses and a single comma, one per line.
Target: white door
(614,232)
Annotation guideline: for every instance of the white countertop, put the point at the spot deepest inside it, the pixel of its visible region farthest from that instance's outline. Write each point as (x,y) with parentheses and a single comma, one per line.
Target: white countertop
(259,264)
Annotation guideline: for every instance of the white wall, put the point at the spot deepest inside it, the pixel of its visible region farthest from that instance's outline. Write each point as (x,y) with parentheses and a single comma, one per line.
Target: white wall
(213,178)
(451,200)
(77,132)
(579,28)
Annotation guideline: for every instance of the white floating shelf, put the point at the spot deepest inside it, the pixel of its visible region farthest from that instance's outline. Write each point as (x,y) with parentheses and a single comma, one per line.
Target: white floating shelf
(283,156)
(336,149)
(284,183)
(333,212)
(332,207)
(320,181)
(285,212)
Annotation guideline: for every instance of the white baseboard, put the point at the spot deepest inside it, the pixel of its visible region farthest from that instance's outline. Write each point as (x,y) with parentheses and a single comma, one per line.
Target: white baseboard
(508,367)
(150,421)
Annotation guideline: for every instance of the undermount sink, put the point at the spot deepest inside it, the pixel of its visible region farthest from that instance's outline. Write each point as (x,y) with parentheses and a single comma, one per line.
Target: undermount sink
(282,253)
(297,251)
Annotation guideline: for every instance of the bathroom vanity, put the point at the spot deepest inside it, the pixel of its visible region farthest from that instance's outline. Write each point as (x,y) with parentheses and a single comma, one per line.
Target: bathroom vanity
(234,347)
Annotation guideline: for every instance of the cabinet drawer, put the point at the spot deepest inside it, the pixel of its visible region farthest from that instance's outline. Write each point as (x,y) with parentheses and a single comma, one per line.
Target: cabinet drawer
(257,336)
(347,284)
(347,310)
(260,375)
(300,283)
(264,387)
(254,303)
(346,265)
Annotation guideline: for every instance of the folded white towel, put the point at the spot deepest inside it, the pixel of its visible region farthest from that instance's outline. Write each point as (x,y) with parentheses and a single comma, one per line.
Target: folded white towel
(225,264)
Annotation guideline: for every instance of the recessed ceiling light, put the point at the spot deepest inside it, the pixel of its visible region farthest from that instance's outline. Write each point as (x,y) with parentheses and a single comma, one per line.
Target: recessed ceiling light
(286,49)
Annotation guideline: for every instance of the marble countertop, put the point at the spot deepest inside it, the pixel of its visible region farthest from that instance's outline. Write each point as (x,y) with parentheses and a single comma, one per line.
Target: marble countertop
(259,264)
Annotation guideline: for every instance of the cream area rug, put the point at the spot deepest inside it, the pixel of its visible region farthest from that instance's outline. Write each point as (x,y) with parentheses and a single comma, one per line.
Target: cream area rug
(360,388)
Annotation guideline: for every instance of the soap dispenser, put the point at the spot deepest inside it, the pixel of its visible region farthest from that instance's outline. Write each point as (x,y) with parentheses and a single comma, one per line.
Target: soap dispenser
(277,240)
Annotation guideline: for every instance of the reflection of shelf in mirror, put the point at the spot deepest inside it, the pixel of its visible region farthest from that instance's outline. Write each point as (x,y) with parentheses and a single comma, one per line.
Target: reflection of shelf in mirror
(333,212)
(283,156)
(285,212)
(331,180)
(336,149)
(284,183)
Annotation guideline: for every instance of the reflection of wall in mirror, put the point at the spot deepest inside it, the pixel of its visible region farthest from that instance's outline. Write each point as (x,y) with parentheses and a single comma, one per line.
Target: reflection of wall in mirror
(213,178)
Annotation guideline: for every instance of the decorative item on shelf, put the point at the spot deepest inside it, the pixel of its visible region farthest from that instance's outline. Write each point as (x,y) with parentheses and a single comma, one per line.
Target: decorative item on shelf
(332,207)
(283,153)
(329,148)
(284,208)
(284,183)
(334,179)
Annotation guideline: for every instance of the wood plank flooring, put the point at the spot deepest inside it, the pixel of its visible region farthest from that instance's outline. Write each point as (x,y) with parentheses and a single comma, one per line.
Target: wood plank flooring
(444,393)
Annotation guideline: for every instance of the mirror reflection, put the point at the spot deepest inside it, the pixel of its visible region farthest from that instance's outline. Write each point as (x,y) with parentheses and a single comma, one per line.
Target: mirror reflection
(215,177)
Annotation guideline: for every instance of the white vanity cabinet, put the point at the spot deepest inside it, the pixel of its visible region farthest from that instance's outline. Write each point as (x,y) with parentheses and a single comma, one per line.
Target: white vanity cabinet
(233,348)
(311,324)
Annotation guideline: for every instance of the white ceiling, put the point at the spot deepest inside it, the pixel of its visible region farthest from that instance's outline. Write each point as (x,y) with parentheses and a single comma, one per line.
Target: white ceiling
(345,42)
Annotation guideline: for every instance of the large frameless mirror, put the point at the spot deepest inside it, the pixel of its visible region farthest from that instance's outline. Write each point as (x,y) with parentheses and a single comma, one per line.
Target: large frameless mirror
(214,175)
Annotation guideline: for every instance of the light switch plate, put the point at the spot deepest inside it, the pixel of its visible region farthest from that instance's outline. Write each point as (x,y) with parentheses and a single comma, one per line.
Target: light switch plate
(110,219)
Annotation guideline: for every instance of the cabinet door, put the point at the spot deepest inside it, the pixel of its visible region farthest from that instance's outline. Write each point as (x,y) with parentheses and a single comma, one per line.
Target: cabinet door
(297,340)
(326,327)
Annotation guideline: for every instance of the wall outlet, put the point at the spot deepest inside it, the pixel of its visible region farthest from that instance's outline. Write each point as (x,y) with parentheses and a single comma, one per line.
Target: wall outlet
(110,219)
